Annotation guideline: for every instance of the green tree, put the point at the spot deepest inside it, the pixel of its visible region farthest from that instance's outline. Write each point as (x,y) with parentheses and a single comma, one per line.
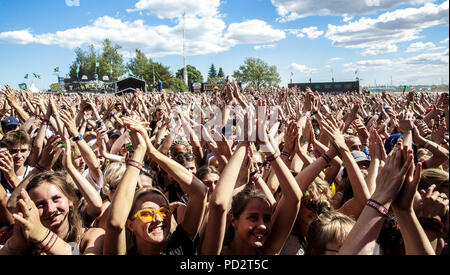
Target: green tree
(110,62)
(256,72)
(221,74)
(141,66)
(212,73)
(176,84)
(194,75)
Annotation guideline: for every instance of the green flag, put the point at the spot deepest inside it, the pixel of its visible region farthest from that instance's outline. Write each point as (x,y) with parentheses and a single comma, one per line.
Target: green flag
(56,70)
(26,76)
(37,76)
(97,64)
(78,70)
(130,72)
(23,86)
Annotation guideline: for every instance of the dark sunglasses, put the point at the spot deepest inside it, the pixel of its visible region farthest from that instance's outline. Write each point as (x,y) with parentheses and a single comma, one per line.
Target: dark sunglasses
(181,158)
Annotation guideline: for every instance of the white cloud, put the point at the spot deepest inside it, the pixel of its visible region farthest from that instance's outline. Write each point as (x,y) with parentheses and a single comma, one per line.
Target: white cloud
(72,3)
(347,18)
(420,46)
(444,41)
(312,32)
(293,9)
(432,59)
(253,32)
(259,47)
(382,34)
(169,9)
(415,63)
(203,35)
(17,37)
(301,68)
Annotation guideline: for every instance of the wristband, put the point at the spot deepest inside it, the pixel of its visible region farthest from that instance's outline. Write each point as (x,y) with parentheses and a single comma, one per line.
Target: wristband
(379,207)
(273,157)
(48,233)
(50,243)
(135,164)
(326,157)
(431,223)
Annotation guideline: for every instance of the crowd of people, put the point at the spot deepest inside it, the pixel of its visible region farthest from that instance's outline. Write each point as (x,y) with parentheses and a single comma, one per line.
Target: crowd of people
(253,171)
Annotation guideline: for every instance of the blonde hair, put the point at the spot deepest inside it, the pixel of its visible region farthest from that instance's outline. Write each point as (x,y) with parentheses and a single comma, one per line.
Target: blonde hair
(316,189)
(112,176)
(329,227)
(75,151)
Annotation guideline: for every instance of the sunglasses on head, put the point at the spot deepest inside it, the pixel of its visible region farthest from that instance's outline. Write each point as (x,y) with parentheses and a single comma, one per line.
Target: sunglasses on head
(181,158)
(148,214)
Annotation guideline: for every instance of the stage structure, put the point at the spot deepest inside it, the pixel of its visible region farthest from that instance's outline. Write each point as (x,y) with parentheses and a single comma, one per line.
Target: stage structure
(129,85)
(328,87)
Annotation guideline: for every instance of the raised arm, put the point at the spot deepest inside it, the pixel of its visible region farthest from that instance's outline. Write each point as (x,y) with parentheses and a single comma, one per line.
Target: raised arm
(115,236)
(220,201)
(414,236)
(370,222)
(194,187)
(86,152)
(91,195)
(361,193)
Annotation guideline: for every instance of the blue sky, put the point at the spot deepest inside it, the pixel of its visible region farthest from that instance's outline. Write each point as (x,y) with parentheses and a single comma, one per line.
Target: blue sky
(406,40)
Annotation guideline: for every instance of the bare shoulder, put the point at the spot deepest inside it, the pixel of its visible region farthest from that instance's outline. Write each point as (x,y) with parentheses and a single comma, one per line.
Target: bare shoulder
(92,242)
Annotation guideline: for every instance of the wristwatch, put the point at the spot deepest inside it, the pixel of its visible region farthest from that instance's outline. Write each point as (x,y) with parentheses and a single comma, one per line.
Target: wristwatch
(77,138)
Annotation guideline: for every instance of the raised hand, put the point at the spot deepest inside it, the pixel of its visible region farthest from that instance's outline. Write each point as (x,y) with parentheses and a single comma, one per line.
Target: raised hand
(290,137)
(28,219)
(68,118)
(334,132)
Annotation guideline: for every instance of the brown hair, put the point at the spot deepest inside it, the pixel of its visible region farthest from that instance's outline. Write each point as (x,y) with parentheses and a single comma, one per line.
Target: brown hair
(238,205)
(62,181)
(205,170)
(143,191)
(17,137)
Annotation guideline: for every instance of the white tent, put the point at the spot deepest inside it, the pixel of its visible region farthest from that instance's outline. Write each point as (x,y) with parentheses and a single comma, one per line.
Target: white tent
(34,89)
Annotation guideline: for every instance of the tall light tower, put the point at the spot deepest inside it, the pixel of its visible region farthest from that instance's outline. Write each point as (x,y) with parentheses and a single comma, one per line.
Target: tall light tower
(184,50)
